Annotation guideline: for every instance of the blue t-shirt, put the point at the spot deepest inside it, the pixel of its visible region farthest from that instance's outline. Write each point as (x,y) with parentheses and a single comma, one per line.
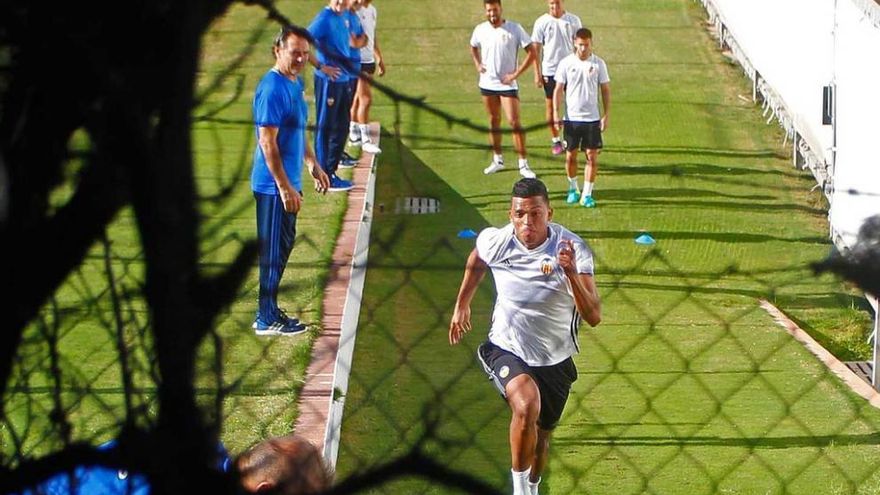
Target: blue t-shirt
(332,33)
(354,54)
(102,480)
(280,102)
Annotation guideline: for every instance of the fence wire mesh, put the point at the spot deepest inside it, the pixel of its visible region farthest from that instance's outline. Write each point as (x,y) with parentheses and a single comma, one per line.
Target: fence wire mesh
(688,386)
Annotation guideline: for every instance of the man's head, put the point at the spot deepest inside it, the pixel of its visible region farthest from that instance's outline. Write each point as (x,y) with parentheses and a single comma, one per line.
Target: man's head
(287,465)
(583,43)
(339,6)
(291,49)
(493,11)
(555,8)
(530,212)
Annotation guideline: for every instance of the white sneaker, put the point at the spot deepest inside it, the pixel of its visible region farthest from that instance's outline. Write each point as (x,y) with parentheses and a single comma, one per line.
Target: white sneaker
(493,167)
(370,147)
(526,172)
(354,138)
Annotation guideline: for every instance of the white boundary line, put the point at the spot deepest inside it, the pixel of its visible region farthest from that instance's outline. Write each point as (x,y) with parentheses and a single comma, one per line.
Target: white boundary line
(348,327)
(855,383)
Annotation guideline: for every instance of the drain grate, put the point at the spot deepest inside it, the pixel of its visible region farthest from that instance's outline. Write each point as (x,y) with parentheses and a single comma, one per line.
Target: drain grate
(417,206)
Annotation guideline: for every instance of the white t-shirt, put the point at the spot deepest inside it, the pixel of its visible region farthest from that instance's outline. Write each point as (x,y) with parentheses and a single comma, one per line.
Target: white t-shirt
(582,79)
(368,16)
(557,38)
(498,49)
(535,316)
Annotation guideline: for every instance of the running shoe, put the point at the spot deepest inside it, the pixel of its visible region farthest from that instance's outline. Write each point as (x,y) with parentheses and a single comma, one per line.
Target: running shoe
(347,161)
(339,185)
(493,167)
(281,326)
(370,147)
(573,196)
(556,148)
(526,172)
(588,202)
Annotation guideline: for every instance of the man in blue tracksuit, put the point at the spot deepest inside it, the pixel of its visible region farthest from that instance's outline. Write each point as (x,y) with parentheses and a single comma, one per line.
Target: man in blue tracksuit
(281,117)
(336,32)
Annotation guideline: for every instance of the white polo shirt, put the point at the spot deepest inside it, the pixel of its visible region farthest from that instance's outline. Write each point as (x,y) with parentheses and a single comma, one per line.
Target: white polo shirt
(582,79)
(535,316)
(498,50)
(368,16)
(556,35)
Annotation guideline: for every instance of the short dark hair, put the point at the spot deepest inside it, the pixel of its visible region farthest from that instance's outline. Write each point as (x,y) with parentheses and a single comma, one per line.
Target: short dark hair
(487,2)
(584,34)
(288,29)
(527,188)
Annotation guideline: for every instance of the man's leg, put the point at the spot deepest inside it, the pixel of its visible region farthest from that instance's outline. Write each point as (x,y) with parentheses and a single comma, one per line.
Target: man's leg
(590,170)
(364,97)
(548,115)
(510,104)
(524,400)
(542,449)
(322,132)
(276,232)
(493,108)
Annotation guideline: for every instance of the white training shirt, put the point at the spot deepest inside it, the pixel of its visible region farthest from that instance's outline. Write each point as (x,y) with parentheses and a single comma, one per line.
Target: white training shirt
(535,316)
(368,16)
(498,50)
(557,38)
(582,79)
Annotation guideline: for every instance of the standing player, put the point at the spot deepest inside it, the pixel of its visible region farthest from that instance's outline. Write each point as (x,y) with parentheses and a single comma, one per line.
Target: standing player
(581,77)
(544,280)
(494,45)
(336,31)
(280,117)
(371,63)
(553,37)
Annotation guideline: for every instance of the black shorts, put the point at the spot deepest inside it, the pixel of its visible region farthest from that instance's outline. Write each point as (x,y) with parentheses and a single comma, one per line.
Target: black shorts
(510,93)
(549,86)
(554,382)
(582,135)
(368,68)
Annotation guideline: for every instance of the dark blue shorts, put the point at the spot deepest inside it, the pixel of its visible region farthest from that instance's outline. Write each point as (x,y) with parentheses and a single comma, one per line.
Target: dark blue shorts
(549,86)
(508,93)
(554,382)
(582,135)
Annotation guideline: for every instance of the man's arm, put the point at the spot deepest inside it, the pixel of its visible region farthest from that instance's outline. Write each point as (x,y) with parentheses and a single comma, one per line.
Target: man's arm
(583,287)
(530,58)
(377,52)
(539,78)
(478,63)
(605,88)
(474,271)
(558,96)
(268,137)
(331,71)
(322,182)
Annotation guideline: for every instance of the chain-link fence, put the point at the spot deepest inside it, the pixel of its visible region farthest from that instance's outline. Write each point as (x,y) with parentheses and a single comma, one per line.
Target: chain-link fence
(134,325)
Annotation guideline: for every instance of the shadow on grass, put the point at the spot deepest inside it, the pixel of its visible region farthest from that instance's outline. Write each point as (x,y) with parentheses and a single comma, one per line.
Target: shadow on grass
(408,386)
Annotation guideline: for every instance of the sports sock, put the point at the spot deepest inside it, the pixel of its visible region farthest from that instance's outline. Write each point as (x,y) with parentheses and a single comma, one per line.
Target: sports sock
(353,129)
(498,158)
(521,481)
(588,189)
(573,183)
(365,131)
(533,487)
(523,163)
(557,139)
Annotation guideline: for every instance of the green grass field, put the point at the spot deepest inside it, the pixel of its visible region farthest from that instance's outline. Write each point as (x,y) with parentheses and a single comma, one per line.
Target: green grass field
(686,387)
